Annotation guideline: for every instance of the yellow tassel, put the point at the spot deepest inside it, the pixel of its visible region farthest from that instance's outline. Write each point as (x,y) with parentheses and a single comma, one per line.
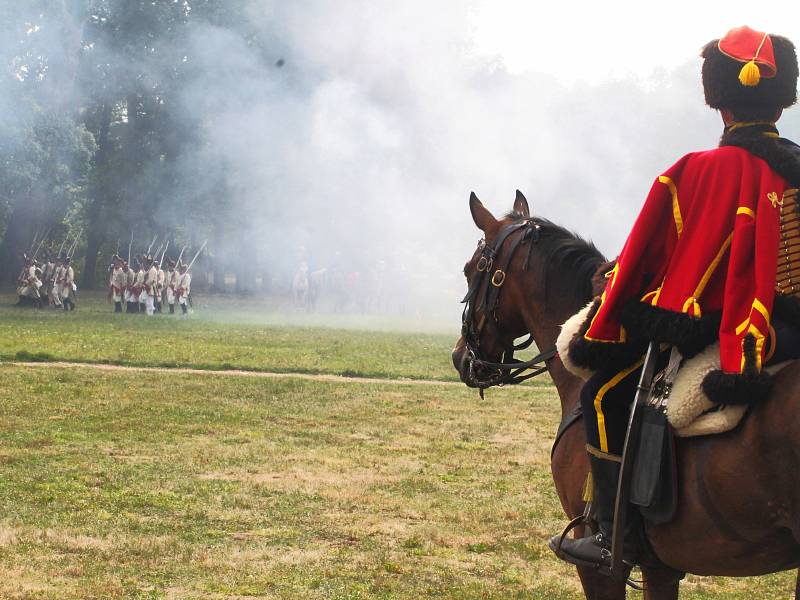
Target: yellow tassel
(588,488)
(750,75)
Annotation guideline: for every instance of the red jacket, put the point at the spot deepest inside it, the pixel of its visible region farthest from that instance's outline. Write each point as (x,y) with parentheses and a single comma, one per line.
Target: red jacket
(705,241)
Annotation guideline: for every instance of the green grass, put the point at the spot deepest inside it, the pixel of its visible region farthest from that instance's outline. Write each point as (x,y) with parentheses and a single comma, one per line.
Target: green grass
(166,485)
(125,485)
(225,333)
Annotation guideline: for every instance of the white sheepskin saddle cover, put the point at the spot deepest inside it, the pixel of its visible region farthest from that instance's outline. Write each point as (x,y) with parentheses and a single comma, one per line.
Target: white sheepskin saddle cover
(689,410)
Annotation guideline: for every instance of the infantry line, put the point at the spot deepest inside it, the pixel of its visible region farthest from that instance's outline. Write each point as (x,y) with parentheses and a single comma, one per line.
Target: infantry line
(234,373)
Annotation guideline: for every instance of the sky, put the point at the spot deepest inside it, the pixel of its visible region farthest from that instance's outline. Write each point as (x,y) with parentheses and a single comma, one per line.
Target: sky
(615,38)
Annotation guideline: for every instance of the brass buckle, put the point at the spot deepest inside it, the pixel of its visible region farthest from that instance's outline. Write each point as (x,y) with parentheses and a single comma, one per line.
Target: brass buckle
(497,282)
(482,263)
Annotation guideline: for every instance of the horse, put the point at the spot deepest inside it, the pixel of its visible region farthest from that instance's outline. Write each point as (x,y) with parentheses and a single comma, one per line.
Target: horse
(738,492)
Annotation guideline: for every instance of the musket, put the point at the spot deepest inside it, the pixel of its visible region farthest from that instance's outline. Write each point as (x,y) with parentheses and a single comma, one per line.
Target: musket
(62,247)
(116,252)
(41,241)
(196,255)
(178,262)
(155,254)
(75,243)
(33,243)
(150,247)
(129,247)
(161,262)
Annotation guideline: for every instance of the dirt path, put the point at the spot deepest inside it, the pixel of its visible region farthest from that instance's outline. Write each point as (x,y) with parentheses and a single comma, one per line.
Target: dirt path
(230,373)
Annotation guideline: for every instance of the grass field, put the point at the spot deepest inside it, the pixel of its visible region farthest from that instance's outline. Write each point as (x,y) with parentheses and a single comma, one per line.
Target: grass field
(166,485)
(225,333)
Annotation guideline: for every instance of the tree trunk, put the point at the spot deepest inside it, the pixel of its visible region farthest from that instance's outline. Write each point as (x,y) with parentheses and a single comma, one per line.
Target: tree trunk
(97,233)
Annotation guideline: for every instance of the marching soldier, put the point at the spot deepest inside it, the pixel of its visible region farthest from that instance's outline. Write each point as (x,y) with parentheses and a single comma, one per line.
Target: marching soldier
(118,283)
(161,279)
(138,286)
(68,285)
(150,285)
(172,285)
(184,287)
(700,265)
(56,282)
(131,301)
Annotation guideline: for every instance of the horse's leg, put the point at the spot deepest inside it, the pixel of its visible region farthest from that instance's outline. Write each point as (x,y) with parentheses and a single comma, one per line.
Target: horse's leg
(597,586)
(660,584)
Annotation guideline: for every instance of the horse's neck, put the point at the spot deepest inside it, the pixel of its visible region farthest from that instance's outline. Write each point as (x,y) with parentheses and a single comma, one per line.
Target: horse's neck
(545,330)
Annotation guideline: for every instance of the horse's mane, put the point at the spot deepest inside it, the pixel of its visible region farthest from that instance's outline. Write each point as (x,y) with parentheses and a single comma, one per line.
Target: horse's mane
(564,252)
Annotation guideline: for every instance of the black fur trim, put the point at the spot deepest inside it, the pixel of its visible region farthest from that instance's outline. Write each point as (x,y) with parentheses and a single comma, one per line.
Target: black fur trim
(749,387)
(787,310)
(602,355)
(782,155)
(723,89)
(690,334)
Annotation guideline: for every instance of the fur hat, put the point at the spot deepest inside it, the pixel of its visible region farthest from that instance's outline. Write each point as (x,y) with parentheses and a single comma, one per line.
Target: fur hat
(725,73)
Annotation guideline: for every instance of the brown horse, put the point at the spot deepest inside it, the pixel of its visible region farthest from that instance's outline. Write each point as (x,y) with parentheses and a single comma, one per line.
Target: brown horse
(739,492)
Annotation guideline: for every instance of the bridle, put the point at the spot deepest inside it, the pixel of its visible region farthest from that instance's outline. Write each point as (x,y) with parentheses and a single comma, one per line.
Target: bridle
(490,281)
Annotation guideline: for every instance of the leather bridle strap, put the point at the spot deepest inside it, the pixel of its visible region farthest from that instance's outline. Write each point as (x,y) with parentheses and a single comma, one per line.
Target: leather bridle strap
(509,371)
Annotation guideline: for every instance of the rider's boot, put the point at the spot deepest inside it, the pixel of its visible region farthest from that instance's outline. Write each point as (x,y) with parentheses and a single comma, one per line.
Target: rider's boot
(595,550)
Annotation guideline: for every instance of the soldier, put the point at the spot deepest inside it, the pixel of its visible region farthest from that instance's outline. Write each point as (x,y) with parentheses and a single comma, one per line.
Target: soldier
(700,265)
(150,285)
(161,279)
(138,285)
(118,283)
(68,287)
(56,282)
(184,287)
(131,304)
(172,285)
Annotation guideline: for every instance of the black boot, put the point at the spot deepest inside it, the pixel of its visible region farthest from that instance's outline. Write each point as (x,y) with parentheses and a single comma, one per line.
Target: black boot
(117,307)
(595,550)
(172,309)
(183,308)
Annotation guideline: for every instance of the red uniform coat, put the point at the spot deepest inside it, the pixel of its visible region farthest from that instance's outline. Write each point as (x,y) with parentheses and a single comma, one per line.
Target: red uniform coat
(705,241)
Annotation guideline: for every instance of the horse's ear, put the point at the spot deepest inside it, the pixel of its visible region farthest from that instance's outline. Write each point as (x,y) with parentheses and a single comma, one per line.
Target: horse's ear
(521,205)
(481,215)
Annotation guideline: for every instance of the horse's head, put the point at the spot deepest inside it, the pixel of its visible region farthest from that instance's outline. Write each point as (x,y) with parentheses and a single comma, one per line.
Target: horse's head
(492,317)
(526,276)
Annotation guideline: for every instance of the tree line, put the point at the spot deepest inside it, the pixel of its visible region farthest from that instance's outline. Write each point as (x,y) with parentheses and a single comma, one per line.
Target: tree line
(94,129)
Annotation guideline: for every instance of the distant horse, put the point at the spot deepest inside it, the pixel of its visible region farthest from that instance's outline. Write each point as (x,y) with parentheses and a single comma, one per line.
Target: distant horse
(739,492)
(317,282)
(300,286)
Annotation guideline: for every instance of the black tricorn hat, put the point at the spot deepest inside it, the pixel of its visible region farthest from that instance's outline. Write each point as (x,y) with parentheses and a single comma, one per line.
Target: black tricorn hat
(724,89)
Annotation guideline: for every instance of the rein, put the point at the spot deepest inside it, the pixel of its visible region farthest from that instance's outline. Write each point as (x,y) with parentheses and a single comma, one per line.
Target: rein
(509,371)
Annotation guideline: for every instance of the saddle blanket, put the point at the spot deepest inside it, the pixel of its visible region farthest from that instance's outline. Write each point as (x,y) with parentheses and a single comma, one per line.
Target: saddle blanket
(689,410)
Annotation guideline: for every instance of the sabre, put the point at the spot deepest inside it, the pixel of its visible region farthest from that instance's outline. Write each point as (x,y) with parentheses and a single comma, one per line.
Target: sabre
(161,262)
(196,255)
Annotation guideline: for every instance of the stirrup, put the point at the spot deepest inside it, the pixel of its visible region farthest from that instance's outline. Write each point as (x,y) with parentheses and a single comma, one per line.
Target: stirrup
(577,521)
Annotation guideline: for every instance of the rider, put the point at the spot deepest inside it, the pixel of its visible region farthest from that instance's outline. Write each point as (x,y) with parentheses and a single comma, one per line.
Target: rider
(701,264)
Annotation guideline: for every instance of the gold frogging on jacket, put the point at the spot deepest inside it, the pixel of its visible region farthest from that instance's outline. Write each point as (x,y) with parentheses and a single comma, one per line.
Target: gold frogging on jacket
(787,276)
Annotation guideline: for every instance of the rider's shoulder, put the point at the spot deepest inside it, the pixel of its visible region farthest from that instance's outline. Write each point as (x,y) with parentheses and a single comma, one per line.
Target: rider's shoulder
(721,156)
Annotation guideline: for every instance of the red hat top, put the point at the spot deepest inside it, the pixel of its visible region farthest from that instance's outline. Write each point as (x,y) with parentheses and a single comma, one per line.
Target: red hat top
(754,48)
